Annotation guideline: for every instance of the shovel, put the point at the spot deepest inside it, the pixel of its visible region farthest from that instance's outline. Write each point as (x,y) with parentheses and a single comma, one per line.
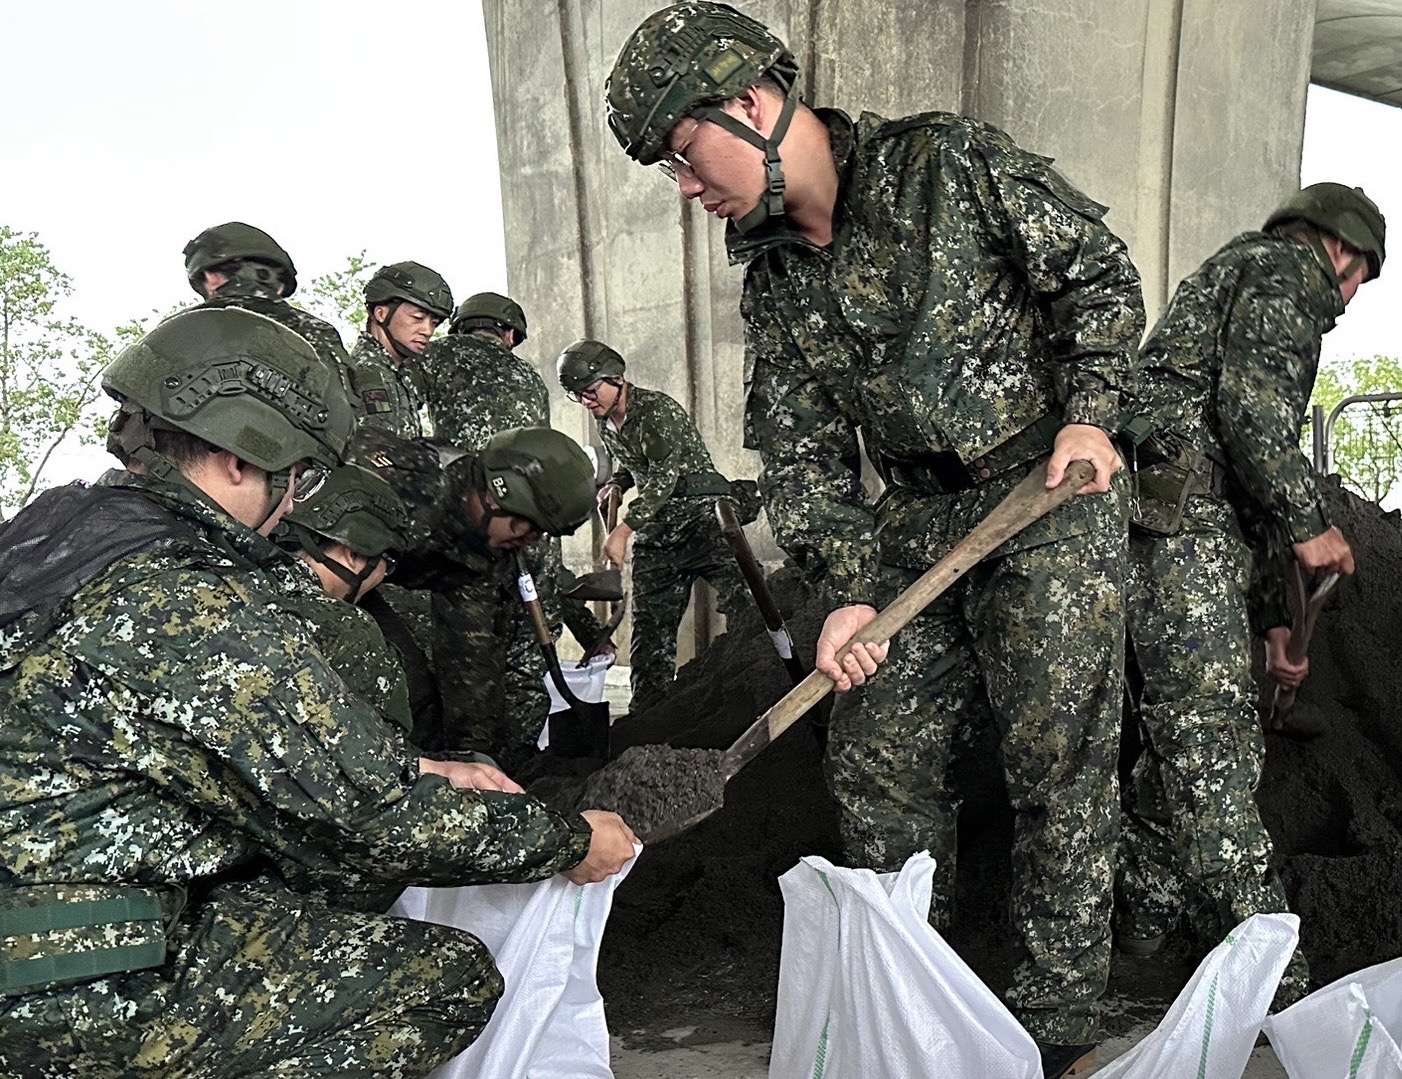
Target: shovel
(759,589)
(1306,606)
(582,728)
(1029,501)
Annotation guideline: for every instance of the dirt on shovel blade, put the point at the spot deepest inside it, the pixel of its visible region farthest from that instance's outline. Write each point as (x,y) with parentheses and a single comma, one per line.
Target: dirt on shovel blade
(651,787)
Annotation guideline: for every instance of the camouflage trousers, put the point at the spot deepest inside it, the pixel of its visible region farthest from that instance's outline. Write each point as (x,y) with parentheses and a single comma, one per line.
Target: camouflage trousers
(668,559)
(264,983)
(1192,840)
(490,672)
(1032,642)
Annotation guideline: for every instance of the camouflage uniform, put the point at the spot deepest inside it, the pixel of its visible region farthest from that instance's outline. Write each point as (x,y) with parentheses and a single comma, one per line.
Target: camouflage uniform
(477,388)
(251,287)
(1226,374)
(678,540)
(489,669)
(166,727)
(387,392)
(970,303)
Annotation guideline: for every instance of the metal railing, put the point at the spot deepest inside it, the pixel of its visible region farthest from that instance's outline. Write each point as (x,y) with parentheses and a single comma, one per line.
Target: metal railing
(1322,428)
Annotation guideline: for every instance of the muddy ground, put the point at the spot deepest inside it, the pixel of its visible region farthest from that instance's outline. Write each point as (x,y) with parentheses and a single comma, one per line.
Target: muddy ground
(696,927)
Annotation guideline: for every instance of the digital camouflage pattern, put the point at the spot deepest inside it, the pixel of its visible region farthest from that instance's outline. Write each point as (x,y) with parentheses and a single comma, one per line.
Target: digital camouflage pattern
(478,387)
(994,652)
(254,288)
(389,394)
(678,540)
(171,724)
(491,673)
(1230,367)
(460,600)
(969,291)
(1228,371)
(971,302)
(1192,841)
(657,446)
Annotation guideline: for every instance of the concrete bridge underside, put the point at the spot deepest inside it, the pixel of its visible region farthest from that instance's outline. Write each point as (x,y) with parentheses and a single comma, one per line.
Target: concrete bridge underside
(1184,116)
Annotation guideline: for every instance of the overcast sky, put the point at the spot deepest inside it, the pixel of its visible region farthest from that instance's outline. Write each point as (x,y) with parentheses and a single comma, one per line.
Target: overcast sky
(338,126)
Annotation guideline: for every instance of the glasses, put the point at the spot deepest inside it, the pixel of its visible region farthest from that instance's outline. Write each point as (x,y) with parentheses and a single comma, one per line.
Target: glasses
(676,167)
(308,482)
(591,391)
(390,563)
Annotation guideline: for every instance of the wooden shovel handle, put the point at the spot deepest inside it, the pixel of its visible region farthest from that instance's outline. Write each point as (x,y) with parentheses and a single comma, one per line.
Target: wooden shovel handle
(1029,501)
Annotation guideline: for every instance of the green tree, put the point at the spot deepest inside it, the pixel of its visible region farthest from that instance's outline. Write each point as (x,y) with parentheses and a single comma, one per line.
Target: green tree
(49,367)
(1366,442)
(339,296)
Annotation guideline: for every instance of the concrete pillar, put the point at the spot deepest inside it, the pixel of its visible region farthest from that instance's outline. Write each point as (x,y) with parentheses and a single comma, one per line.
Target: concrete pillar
(1184,116)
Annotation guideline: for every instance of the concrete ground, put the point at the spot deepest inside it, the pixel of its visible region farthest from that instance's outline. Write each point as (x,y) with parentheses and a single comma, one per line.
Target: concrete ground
(691,1055)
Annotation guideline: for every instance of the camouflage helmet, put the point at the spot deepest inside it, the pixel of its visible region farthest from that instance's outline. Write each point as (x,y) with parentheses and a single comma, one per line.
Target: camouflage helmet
(235,241)
(238,380)
(1344,212)
(541,475)
(410,281)
(585,362)
(680,60)
(354,506)
(486,308)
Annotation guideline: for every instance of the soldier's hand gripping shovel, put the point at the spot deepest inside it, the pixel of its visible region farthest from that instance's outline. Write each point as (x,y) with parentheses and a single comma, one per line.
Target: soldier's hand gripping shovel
(764,599)
(581,729)
(1306,606)
(658,817)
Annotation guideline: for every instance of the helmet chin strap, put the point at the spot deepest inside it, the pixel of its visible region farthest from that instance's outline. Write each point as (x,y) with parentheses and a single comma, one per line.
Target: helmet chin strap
(771,203)
(396,346)
(356,581)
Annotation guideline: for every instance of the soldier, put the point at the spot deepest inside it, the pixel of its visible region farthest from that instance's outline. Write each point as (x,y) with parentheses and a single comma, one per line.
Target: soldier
(676,539)
(168,728)
(479,386)
(469,513)
(237,265)
(404,304)
(929,286)
(1226,376)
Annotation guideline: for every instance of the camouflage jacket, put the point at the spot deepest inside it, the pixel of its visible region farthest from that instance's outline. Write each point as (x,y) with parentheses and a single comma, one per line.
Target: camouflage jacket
(1230,367)
(167,719)
(657,446)
(351,643)
(969,292)
(250,293)
(478,387)
(388,393)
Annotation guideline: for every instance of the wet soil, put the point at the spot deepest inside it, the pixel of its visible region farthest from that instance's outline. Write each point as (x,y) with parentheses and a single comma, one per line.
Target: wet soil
(655,787)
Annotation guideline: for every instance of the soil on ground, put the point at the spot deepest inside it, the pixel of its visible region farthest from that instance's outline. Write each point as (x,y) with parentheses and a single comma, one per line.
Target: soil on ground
(697,925)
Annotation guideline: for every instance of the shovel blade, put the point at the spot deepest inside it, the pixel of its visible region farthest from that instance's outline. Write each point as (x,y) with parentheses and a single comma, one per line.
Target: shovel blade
(581,730)
(602,586)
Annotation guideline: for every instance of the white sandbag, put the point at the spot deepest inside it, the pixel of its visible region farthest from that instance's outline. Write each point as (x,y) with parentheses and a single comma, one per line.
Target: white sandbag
(1347,1030)
(545,938)
(868,988)
(1211,1028)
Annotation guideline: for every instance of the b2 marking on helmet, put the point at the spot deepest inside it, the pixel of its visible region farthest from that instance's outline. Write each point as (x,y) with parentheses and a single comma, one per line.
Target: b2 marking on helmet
(499,486)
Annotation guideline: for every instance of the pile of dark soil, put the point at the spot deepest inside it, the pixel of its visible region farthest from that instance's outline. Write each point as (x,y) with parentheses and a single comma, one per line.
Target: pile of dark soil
(696,928)
(1334,805)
